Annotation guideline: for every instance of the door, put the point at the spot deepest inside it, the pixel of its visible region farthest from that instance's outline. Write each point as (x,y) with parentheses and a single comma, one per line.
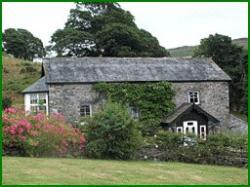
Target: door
(190,127)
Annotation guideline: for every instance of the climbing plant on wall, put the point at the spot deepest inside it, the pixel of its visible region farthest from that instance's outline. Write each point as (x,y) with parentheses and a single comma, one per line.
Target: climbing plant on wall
(154,100)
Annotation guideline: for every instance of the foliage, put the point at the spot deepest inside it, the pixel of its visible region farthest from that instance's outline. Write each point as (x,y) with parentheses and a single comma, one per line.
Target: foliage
(6,102)
(233,60)
(28,69)
(103,29)
(72,42)
(154,100)
(14,85)
(177,147)
(111,133)
(187,51)
(22,44)
(38,135)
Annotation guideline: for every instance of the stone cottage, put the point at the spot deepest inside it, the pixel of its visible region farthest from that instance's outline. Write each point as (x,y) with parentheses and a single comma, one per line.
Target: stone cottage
(201,86)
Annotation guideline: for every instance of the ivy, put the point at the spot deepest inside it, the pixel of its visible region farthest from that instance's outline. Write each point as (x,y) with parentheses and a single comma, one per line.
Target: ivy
(154,100)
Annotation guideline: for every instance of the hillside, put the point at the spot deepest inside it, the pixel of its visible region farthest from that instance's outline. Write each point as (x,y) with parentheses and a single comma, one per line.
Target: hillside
(187,51)
(241,42)
(17,75)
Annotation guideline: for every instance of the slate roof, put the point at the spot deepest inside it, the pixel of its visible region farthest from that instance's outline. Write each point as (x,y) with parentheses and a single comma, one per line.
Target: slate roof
(39,86)
(107,69)
(184,108)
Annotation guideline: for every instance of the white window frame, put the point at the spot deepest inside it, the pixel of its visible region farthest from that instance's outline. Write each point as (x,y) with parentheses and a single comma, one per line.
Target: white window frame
(90,110)
(205,132)
(198,97)
(181,129)
(195,125)
(28,104)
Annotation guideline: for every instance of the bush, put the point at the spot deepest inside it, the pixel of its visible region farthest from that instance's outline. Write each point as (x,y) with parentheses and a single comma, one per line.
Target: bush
(28,69)
(7,102)
(221,148)
(37,135)
(111,133)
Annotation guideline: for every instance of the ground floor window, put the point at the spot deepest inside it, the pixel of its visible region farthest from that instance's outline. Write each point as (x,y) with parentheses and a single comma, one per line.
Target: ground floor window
(179,129)
(203,132)
(85,110)
(191,127)
(36,102)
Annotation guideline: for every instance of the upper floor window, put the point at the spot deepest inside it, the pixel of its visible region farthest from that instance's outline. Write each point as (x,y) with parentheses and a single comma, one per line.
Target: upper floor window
(194,97)
(85,110)
(134,112)
(38,102)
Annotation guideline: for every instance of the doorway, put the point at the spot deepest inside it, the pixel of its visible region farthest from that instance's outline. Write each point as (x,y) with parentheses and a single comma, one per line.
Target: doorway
(190,127)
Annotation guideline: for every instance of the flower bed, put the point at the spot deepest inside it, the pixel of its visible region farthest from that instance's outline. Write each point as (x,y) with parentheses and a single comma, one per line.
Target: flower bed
(39,135)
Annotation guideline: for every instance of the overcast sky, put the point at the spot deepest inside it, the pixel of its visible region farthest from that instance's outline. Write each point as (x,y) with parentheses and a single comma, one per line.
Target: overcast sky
(174,24)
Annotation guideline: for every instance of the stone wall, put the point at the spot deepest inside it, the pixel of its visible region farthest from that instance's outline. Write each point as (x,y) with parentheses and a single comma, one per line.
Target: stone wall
(228,157)
(214,97)
(235,124)
(66,98)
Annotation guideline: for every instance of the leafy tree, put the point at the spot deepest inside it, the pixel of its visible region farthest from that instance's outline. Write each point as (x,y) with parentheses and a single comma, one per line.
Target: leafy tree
(72,42)
(233,60)
(111,133)
(104,29)
(22,44)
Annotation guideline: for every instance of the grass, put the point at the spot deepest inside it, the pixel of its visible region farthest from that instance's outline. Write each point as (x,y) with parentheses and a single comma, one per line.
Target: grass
(17,75)
(18,170)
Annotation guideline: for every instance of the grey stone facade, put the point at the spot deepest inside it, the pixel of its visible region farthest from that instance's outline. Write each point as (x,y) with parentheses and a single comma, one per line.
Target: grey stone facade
(68,81)
(66,98)
(214,96)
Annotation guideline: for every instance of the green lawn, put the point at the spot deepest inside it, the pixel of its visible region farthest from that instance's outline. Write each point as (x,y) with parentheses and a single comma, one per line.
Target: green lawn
(17,170)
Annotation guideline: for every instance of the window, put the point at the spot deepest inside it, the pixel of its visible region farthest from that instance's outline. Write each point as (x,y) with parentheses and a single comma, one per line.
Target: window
(194,97)
(33,99)
(203,133)
(179,129)
(134,112)
(38,102)
(85,110)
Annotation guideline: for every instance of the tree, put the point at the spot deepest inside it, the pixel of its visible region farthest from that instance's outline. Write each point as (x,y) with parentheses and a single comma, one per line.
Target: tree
(104,29)
(72,42)
(232,59)
(22,44)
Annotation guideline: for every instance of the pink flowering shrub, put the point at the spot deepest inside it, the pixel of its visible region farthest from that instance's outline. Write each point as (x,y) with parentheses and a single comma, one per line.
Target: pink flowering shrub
(39,135)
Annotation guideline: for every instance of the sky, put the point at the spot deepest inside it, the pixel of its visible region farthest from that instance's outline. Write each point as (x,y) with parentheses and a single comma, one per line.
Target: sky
(174,24)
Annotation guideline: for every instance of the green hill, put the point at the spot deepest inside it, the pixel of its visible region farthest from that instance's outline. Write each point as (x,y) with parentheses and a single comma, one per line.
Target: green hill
(187,51)
(241,42)
(17,75)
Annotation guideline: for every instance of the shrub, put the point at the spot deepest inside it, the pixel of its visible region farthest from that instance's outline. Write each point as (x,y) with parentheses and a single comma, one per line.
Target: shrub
(111,133)
(28,69)
(7,102)
(37,135)
(220,148)
(168,140)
